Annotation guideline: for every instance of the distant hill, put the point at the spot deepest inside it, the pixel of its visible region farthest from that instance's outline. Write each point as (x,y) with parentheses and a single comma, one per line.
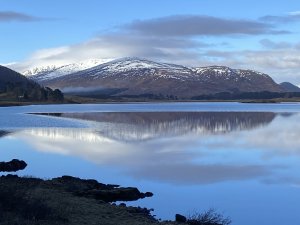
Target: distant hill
(289,87)
(9,76)
(141,77)
(16,87)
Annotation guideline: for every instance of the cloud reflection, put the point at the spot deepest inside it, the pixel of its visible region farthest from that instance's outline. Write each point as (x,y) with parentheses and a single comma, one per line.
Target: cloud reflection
(3,133)
(161,160)
(181,148)
(141,126)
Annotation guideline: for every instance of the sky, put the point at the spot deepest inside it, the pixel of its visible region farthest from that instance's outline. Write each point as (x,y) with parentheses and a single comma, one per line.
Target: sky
(262,35)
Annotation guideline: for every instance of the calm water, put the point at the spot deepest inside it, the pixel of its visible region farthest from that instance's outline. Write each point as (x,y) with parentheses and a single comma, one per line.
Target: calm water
(242,159)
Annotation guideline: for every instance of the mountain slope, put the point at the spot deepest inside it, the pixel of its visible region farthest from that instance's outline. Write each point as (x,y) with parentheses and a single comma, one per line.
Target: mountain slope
(134,76)
(53,71)
(289,87)
(9,76)
(16,87)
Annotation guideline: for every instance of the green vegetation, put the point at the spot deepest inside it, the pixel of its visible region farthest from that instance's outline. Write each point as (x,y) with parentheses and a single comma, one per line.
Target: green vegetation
(245,97)
(16,89)
(15,92)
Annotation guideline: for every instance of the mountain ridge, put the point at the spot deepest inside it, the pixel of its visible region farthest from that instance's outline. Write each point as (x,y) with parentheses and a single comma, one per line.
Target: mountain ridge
(56,71)
(136,76)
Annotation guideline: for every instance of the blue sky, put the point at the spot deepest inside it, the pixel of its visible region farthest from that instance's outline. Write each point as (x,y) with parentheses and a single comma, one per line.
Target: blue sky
(261,35)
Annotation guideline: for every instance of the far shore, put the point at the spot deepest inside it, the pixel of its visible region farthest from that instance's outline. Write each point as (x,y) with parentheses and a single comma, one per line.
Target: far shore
(80,100)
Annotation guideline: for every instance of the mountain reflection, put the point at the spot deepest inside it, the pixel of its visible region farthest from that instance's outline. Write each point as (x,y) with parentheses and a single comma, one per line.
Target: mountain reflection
(139,126)
(205,151)
(3,133)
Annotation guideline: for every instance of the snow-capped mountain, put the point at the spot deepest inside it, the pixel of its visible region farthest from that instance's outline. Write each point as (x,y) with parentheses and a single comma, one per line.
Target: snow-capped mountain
(40,70)
(135,67)
(54,71)
(134,77)
(226,72)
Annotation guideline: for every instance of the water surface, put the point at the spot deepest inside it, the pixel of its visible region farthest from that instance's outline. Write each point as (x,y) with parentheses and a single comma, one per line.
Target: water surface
(242,159)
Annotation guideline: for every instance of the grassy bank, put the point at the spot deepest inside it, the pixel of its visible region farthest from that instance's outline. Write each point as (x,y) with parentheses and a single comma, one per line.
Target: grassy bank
(32,201)
(73,201)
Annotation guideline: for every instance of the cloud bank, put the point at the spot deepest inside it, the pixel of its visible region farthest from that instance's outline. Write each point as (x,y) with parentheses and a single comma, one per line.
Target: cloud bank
(200,26)
(183,39)
(10,16)
(289,18)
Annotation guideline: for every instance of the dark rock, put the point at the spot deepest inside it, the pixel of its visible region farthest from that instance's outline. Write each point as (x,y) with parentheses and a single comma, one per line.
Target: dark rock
(180,218)
(10,176)
(114,194)
(122,205)
(148,194)
(99,191)
(141,211)
(12,166)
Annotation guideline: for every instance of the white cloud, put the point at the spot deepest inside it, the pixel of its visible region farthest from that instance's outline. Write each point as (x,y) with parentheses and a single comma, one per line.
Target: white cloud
(115,46)
(281,63)
(8,64)
(281,60)
(295,13)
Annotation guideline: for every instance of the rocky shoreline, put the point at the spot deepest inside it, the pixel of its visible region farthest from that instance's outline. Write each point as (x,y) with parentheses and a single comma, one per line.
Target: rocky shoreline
(69,200)
(12,166)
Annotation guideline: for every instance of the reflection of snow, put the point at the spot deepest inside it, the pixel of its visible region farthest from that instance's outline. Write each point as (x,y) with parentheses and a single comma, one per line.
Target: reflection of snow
(165,160)
(257,154)
(145,126)
(63,134)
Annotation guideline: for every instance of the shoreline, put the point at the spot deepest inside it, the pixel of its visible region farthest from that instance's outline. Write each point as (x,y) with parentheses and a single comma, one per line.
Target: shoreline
(244,101)
(70,200)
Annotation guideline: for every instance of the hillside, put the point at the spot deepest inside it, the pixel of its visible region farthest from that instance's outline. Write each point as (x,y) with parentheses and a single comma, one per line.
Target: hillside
(289,87)
(16,87)
(141,77)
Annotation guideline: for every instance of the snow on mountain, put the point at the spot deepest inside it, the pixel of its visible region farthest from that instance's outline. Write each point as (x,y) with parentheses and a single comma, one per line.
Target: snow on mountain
(40,70)
(51,72)
(131,66)
(135,76)
(209,72)
(224,73)
(135,67)
(219,70)
(245,73)
(126,64)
